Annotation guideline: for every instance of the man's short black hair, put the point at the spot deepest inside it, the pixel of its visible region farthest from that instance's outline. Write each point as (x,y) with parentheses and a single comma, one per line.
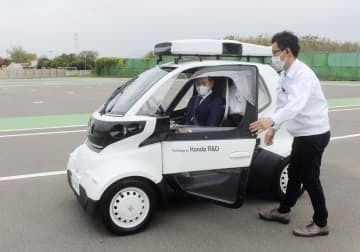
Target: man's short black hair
(208,77)
(285,40)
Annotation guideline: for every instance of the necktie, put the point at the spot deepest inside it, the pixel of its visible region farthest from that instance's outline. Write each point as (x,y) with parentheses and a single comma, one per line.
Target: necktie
(198,101)
(196,104)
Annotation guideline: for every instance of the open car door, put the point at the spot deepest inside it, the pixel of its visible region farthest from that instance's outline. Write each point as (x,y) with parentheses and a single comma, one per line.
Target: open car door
(213,162)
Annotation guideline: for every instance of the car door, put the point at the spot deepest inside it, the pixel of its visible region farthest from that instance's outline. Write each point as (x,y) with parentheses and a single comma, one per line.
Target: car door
(213,162)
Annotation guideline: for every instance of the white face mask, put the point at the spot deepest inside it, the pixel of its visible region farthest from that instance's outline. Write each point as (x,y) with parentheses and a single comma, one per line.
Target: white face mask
(202,90)
(277,63)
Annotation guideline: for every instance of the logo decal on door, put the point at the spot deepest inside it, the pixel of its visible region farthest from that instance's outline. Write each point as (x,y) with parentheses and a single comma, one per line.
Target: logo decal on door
(209,148)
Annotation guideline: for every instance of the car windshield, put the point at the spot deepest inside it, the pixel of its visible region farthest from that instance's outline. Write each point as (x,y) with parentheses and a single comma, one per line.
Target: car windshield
(126,95)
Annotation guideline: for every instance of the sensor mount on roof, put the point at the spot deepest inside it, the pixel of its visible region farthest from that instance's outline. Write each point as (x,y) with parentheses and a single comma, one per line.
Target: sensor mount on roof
(208,47)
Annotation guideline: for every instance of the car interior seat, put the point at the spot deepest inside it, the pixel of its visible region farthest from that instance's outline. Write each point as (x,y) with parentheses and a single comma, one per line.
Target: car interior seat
(230,120)
(221,89)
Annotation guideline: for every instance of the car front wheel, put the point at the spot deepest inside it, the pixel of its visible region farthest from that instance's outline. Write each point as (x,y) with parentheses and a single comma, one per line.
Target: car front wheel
(281,181)
(128,206)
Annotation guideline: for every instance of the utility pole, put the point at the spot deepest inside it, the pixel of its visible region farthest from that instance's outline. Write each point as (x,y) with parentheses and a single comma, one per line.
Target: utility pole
(75,42)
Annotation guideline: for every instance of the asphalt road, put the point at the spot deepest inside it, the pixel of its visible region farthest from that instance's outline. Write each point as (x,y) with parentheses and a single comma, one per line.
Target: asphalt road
(54,96)
(42,214)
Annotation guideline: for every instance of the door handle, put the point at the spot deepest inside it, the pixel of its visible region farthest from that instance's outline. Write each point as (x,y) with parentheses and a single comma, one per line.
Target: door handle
(240,154)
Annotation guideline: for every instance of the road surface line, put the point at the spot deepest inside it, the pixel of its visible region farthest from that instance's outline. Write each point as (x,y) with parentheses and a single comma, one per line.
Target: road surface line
(339,110)
(57,127)
(42,133)
(346,106)
(32,175)
(344,137)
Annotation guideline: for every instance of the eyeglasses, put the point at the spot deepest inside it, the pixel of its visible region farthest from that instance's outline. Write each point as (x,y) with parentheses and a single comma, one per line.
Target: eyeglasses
(276,52)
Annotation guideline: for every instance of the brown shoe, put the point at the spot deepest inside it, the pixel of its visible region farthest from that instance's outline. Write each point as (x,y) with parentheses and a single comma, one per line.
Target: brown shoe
(311,230)
(275,215)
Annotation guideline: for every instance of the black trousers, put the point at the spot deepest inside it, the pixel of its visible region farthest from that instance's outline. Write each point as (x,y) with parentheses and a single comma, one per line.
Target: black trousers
(304,168)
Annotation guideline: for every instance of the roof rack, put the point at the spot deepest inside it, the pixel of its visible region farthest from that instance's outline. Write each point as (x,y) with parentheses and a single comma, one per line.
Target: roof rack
(210,47)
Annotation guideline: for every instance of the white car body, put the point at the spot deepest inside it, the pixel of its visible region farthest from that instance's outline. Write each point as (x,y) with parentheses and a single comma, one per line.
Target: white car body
(91,173)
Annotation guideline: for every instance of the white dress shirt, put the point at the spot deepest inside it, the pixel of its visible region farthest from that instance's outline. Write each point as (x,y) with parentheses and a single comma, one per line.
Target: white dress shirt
(301,103)
(204,97)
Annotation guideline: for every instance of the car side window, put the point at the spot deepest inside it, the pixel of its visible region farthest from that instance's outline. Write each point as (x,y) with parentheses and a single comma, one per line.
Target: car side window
(264,96)
(162,98)
(186,98)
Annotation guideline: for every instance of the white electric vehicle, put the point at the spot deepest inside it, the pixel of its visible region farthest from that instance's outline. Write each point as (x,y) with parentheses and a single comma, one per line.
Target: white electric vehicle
(135,152)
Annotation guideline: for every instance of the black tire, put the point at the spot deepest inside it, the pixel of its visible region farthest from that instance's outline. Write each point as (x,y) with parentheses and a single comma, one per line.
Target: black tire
(281,180)
(128,206)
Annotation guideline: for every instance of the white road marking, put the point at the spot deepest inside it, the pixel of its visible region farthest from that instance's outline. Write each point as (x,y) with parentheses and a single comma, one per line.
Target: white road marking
(32,175)
(339,110)
(341,85)
(42,133)
(344,137)
(37,102)
(347,106)
(62,82)
(57,127)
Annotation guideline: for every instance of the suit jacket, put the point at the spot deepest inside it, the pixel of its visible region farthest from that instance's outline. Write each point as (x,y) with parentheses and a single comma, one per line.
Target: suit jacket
(208,113)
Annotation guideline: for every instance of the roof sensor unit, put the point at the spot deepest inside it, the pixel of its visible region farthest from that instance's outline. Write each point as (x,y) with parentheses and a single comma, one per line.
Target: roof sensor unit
(209,47)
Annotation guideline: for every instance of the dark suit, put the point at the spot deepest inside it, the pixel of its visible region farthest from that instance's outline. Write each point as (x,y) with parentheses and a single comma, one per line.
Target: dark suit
(208,113)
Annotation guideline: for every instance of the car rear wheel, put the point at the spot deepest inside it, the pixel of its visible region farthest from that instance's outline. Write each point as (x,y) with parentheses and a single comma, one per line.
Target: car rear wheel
(128,206)
(281,181)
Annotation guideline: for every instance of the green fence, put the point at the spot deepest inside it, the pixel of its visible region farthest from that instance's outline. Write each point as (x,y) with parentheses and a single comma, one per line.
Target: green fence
(334,66)
(327,66)
(130,67)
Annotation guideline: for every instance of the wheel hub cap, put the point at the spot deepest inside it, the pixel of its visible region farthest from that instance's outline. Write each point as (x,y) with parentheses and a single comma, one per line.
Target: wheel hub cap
(129,207)
(284,178)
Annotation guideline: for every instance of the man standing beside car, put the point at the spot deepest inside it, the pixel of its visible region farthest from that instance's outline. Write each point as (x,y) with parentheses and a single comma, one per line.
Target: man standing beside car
(302,107)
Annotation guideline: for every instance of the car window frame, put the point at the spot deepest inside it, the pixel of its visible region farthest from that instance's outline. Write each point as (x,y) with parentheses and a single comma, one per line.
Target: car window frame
(263,83)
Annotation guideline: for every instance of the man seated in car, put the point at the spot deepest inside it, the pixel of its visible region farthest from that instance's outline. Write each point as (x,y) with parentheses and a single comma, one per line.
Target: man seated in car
(205,109)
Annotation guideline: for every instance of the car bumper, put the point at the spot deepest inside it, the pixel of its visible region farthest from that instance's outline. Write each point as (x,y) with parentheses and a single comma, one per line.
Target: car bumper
(89,205)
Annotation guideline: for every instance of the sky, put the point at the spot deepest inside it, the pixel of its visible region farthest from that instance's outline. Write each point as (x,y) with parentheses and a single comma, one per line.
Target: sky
(130,29)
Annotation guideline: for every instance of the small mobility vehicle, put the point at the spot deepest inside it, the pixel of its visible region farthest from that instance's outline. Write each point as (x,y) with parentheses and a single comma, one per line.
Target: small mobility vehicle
(135,152)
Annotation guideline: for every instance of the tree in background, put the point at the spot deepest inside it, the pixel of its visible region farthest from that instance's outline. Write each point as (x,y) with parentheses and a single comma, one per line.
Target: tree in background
(43,62)
(64,60)
(308,43)
(259,40)
(88,59)
(4,62)
(311,43)
(109,66)
(19,55)
(81,61)
(147,57)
